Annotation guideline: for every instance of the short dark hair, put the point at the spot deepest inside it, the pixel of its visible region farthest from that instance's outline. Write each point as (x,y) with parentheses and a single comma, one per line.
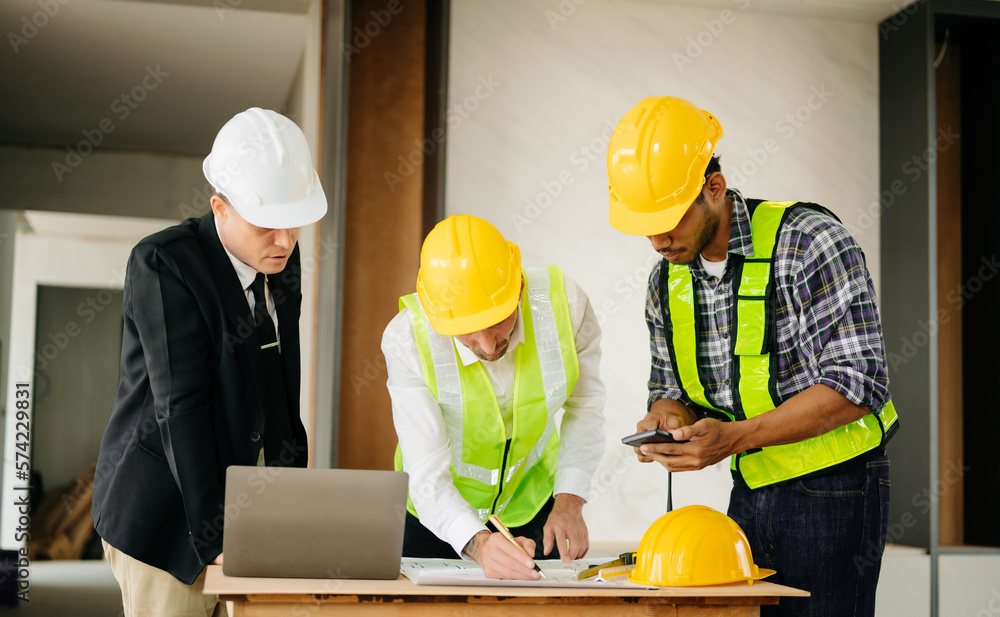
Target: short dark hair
(713,166)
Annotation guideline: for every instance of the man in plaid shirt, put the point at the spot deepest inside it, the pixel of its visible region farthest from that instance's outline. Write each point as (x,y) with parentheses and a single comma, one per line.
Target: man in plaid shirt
(767,347)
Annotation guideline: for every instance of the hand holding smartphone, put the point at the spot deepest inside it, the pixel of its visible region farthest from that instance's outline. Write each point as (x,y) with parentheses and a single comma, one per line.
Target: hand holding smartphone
(653,436)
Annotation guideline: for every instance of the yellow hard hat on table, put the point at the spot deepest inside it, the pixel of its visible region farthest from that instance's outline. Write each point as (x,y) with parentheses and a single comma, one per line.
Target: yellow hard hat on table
(694,546)
(657,158)
(470,276)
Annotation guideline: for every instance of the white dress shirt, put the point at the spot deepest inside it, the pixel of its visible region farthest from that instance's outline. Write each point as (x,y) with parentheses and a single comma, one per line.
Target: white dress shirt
(247,274)
(420,424)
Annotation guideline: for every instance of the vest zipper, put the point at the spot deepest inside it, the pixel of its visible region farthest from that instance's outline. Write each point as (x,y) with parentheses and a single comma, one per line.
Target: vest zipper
(503,472)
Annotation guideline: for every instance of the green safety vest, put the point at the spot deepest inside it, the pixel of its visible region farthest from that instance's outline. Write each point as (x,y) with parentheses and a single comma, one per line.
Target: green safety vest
(495,473)
(754,379)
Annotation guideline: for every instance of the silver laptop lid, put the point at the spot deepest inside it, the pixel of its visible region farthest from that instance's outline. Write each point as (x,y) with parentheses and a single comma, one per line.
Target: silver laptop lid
(313,523)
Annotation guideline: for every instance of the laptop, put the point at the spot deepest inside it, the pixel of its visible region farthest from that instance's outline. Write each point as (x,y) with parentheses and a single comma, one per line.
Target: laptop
(313,523)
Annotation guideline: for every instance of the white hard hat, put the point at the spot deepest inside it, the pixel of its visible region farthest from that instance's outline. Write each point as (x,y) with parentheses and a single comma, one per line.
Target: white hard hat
(260,161)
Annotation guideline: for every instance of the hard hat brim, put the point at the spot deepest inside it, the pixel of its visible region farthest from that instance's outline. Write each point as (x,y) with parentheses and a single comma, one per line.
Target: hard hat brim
(287,216)
(645,223)
(458,326)
(761,573)
(276,216)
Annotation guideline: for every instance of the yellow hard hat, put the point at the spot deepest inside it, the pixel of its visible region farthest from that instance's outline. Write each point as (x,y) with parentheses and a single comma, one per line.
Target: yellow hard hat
(693,546)
(657,158)
(470,276)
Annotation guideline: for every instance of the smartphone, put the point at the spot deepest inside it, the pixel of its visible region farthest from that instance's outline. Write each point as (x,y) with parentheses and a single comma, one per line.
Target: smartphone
(654,436)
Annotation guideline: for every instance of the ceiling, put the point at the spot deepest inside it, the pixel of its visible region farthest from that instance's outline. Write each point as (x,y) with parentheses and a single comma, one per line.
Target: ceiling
(155,75)
(78,75)
(870,11)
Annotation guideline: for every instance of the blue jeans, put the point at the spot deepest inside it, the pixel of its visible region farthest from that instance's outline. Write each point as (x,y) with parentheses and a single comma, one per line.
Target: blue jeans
(825,535)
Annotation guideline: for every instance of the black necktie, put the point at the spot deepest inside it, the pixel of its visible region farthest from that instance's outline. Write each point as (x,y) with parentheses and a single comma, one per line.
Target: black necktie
(279,444)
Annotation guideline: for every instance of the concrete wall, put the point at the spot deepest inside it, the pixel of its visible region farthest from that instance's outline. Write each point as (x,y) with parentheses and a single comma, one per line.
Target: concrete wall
(118,183)
(74,390)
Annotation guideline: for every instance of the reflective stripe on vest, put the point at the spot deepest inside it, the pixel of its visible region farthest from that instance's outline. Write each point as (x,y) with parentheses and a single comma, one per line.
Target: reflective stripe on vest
(492,476)
(754,379)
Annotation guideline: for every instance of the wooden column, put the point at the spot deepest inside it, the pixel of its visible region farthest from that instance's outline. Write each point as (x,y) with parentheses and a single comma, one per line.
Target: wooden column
(387,203)
(949,246)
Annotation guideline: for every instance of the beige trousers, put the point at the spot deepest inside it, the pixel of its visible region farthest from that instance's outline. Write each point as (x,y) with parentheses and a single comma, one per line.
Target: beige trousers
(151,592)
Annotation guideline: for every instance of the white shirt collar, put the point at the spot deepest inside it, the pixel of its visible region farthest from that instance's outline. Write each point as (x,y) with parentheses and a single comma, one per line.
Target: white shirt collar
(245,273)
(467,356)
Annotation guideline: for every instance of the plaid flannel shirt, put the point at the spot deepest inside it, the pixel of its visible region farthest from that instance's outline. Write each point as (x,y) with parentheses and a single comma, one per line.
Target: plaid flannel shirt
(828,326)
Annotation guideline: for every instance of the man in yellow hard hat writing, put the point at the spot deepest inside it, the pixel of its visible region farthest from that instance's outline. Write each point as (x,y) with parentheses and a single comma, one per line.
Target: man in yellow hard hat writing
(479,362)
(767,347)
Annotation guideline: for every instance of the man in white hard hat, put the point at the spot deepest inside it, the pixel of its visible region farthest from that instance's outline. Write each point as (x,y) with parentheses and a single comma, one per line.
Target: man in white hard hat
(210,366)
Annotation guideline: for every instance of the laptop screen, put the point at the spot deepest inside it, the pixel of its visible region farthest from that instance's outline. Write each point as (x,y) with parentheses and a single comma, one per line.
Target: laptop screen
(313,523)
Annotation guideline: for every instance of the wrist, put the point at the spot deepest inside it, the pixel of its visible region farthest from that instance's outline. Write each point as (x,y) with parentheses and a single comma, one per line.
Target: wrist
(666,407)
(569,501)
(742,434)
(474,547)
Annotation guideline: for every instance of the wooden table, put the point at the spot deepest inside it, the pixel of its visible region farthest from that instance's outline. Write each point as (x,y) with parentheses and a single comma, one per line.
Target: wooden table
(253,597)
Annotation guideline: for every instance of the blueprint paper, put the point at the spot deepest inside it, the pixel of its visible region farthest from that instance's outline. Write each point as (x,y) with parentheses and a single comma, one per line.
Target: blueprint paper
(468,573)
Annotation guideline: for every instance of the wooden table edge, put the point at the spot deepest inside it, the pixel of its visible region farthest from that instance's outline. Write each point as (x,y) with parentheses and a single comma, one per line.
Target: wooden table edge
(356,590)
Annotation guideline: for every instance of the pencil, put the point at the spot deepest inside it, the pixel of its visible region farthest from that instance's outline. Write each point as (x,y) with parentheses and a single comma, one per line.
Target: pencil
(506,533)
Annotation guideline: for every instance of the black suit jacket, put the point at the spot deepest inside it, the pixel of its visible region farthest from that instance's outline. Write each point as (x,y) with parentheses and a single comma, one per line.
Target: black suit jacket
(188,404)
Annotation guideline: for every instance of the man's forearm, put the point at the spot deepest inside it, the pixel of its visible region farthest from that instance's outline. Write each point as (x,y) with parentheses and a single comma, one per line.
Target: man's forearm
(816,410)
